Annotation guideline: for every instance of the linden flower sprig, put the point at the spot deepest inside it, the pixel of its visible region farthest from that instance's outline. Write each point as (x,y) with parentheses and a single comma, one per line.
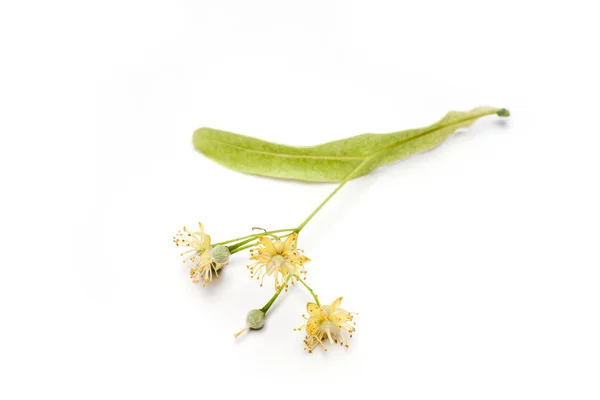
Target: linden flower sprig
(275,252)
(271,256)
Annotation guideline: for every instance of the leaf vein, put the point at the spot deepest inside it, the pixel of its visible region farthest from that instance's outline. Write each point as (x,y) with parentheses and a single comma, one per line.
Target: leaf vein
(267,153)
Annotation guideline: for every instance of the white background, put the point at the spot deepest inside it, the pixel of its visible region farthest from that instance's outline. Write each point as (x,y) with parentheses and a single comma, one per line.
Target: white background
(474,267)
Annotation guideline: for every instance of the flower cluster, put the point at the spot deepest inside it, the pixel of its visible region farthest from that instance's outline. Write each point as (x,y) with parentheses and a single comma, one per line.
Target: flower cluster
(281,259)
(206,260)
(271,256)
(328,322)
(278,259)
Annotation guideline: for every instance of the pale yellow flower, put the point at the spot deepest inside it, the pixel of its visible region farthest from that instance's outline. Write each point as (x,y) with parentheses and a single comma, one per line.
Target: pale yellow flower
(327,323)
(278,259)
(205,267)
(206,260)
(197,241)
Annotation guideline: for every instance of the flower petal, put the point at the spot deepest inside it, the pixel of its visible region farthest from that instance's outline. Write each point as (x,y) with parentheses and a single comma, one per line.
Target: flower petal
(269,248)
(340,318)
(313,309)
(312,326)
(336,304)
(290,242)
(203,240)
(303,259)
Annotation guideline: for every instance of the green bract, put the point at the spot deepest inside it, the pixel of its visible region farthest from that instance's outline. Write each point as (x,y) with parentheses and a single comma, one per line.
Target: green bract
(334,161)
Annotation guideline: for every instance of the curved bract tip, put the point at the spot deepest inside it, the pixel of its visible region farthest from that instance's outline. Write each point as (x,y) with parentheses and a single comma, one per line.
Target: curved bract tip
(503,112)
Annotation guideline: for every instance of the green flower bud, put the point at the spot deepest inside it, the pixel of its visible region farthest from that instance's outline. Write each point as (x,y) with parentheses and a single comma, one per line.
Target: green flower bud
(255,319)
(221,254)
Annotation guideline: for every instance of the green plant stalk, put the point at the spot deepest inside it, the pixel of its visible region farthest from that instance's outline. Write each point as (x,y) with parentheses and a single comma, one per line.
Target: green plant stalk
(309,289)
(253,236)
(306,221)
(235,246)
(238,249)
(266,307)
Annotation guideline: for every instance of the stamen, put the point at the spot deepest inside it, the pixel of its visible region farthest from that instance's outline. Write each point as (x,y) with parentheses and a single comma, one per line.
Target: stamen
(240,332)
(329,335)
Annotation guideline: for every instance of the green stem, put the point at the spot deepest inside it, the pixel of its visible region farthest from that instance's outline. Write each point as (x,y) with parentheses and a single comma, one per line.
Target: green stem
(309,289)
(235,246)
(284,236)
(341,185)
(254,235)
(238,249)
(270,302)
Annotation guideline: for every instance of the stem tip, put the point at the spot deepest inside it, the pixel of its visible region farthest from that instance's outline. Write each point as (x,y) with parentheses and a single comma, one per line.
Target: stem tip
(503,112)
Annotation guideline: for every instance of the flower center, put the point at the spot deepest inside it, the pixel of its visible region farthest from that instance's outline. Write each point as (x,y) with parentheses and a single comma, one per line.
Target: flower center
(328,325)
(278,260)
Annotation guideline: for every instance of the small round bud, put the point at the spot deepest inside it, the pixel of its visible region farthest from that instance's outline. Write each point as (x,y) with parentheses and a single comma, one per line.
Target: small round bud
(221,254)
(255,319)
